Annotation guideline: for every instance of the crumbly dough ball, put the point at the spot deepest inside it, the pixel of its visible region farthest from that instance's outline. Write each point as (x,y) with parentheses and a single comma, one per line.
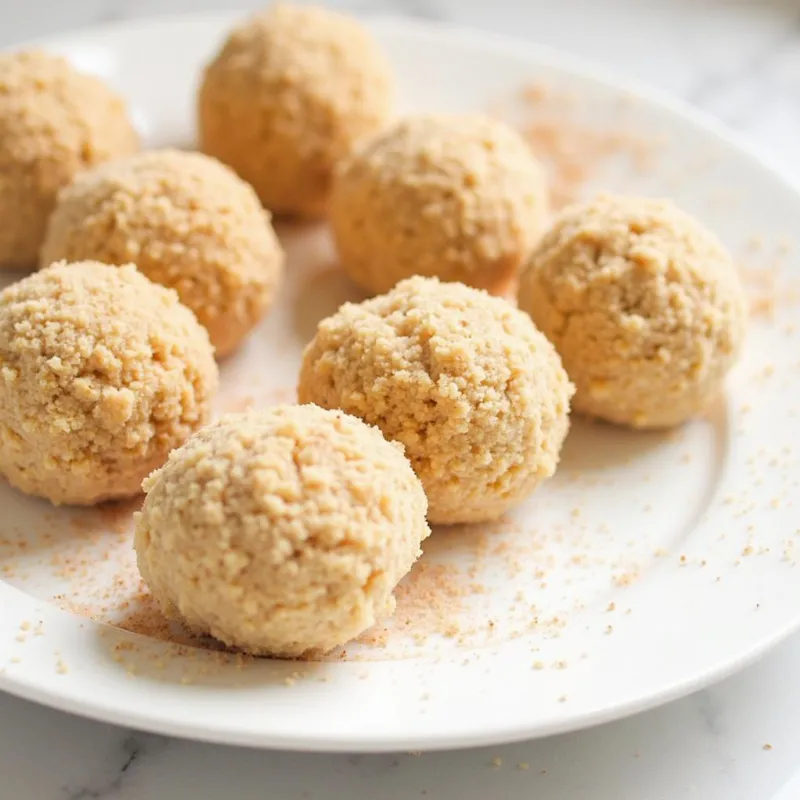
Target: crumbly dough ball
(187,222)
(643,304)
(282,531)
(54,122)
(458,197)
(287,96)
(102,373)
(464,380)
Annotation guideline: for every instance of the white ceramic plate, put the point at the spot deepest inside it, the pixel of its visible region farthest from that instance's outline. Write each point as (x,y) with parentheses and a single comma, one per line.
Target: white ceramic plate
(648,567)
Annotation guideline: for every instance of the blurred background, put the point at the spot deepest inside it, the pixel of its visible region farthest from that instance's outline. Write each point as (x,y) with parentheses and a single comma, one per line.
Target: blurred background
(738,59)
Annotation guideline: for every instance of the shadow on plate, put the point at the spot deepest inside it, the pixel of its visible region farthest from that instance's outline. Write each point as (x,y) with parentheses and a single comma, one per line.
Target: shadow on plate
(142,642)
(595,445)
(316,285)
(45,534)
(321,296)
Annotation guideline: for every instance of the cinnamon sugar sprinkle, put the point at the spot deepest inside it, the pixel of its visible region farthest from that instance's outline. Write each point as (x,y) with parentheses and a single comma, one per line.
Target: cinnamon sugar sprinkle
(768,290)
(445,599)
(573,151)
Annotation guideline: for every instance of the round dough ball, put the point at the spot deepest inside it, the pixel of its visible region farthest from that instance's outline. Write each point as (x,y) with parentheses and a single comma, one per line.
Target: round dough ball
(461,198)
(464,380)
(283,531)
(187,222)
(287,96)
(54,122)
(643,304)
(102,373)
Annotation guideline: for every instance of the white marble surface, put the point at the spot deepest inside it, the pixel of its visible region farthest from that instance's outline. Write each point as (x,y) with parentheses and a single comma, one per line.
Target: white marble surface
(707,747)
(739,59)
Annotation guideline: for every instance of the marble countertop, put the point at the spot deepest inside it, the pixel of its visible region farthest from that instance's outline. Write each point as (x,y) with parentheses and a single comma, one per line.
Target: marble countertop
(740,60)
(737,741)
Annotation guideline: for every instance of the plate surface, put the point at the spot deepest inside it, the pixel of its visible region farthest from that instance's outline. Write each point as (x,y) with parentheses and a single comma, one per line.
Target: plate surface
(652,564)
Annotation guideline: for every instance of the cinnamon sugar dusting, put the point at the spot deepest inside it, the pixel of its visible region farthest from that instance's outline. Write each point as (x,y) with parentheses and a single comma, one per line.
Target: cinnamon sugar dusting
(769,290)
(574,151)
(431,598)
(444,602)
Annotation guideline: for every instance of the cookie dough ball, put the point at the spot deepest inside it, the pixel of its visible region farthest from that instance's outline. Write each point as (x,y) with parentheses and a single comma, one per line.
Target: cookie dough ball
(643,304)
(457,197)
(102,373)
(464,380)
(187,222)
(54,122)
(281,532)
(287,96)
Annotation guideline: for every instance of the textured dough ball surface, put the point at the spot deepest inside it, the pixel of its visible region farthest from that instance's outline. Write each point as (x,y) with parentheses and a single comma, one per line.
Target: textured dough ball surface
(187,222)
(287,96)
(464,380)
(461,198)
(643,304)
(54,122)
(281,532)
(102,373)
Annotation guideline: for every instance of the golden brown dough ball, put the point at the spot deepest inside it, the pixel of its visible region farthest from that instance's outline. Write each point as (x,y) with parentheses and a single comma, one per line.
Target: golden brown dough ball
(643,304)
(102,373)
(187,222)
(54,122)
(289,93)
(463,379)
(282,531)
(458,197)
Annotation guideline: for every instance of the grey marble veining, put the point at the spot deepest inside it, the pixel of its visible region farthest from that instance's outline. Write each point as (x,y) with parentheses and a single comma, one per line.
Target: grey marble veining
(739,60)
(737,741)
